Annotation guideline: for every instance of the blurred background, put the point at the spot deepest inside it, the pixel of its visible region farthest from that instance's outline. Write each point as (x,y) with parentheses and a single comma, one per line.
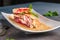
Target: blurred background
(13,2)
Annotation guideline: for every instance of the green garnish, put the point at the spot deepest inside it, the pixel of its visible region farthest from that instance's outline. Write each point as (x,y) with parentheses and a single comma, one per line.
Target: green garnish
(34,14)
(22,13)
(10,39)
(50,14)
(30,6)
(55,13)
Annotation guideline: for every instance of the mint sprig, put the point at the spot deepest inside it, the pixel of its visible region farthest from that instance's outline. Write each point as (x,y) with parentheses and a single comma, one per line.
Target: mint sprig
(50,13)
(30,6)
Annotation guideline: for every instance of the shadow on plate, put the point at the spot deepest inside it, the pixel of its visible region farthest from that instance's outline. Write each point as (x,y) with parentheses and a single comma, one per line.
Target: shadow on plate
(22,35)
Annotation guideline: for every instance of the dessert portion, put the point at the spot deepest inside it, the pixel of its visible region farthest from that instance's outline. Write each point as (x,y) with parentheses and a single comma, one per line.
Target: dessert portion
(27,19)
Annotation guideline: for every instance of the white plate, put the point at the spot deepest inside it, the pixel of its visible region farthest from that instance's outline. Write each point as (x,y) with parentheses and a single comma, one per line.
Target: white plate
(52,23)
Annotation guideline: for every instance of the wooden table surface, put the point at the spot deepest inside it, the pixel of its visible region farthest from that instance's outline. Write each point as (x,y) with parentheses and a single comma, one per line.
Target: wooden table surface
(41,7)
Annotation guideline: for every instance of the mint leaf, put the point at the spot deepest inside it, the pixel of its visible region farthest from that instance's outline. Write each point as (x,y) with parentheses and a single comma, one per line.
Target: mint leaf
(55,13)
(30,6)
(47,14)
(50,14)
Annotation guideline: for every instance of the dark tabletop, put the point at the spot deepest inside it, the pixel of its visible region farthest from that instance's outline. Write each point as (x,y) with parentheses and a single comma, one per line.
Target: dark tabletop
(40,7)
